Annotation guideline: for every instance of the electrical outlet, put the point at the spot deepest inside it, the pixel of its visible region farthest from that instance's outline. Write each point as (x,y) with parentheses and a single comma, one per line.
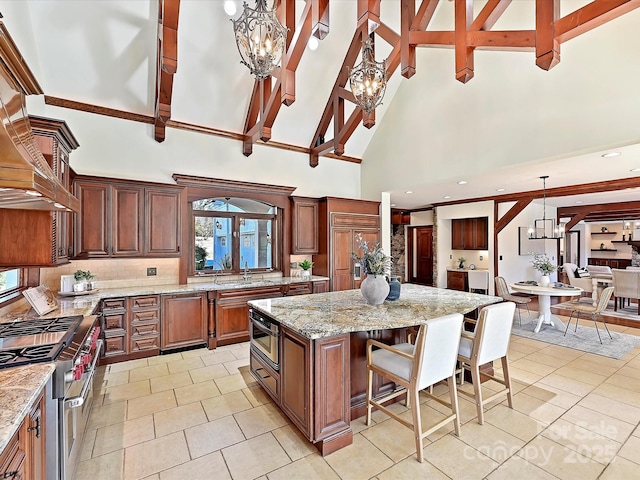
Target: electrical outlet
(293,265)
(481,257)
(151,271)
(450,257)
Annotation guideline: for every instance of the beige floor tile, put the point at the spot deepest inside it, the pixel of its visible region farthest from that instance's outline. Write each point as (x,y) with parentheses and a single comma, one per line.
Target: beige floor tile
(561,352)
(155,456)
(218,357)
(102,416)
(595,366)
(172,357)
(126,392)
(185,365)
(531,366)
(430,417)
(232,383)
(112,379)
(583,376)
(87,445)
(559,460)
(198,352)
(520,347)
(207,467)
(169,382)
(122,435)
(105,467)
(513,422)
(155,476)
(624,381)
(553,395)
(196,392)
(621,394)
(124,366)
(151,371)
(179,418)
(156,402)
(410,468)
(208,373)
(254,457)
(620,469)
(224,405)
(631,450)
(296,446)
(256,395)
(628,371)
(524,375)
(360,460)
(490,441)
(233,367)
(597,422)
(240,353)
(545,359)
(517,467)
(457,459)
(540,410)
(612,408)
(260,420)
(588,443)
(212,436)
(312,467)
(403,444)
(567,384)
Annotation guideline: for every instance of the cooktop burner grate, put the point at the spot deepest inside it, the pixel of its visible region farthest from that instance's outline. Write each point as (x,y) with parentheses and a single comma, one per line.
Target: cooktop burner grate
(26,355)
(34,327)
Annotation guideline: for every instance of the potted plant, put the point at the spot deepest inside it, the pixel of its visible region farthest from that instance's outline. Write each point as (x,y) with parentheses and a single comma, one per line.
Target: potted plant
(461,261)
(88,276)
(81,282)
(305,265)
(543,265)
(376,265)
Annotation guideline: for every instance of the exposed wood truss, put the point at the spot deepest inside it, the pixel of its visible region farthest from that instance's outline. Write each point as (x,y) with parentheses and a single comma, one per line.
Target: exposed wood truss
(600,213)
(469,34)
(167,65)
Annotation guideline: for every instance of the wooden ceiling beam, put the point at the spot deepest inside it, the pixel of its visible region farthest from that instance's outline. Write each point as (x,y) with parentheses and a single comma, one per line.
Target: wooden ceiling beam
(320,19)
(489,15)
(574,221)
(368,15)
(407,51)
(464,53)
(547,45)
(592,15)
(519,206)
(167,64)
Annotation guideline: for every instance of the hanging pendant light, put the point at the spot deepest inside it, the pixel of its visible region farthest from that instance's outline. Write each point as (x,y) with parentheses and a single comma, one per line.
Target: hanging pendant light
(260,38)
(545,228)
(368,80)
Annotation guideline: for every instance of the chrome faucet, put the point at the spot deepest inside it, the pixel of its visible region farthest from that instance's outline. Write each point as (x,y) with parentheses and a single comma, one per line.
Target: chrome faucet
(246,275)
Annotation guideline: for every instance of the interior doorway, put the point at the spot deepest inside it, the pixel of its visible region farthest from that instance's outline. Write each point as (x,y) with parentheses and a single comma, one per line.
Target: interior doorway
(421,251)
(572,248)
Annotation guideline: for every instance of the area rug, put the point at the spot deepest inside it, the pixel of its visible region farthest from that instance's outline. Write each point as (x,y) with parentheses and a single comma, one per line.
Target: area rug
(585,339)
(627,313)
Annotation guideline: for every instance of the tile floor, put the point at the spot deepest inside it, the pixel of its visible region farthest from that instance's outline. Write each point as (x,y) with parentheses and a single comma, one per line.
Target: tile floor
(200,415)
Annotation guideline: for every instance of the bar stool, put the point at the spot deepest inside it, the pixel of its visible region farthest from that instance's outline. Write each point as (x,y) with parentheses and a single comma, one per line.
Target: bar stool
(479,280)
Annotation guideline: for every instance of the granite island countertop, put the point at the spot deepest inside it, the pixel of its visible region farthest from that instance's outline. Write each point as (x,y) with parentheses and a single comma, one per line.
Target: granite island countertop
(19,387)
(335,313)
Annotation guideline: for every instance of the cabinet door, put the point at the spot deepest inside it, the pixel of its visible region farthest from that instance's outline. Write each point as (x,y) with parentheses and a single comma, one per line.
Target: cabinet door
(127,217)
(481,229)
(321,287)
(295,375)
(162,213)
(457,234)
(26,238)
(457,281)
(232,322)
(36,457)
(305,226)
(369,236)
(342,261)
(184,320)
(92,223)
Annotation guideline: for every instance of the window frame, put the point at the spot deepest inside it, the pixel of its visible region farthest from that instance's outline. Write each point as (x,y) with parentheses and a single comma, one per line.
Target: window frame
(9,296)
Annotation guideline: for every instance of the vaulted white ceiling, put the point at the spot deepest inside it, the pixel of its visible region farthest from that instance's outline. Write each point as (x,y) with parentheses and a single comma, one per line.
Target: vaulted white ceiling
(510,124)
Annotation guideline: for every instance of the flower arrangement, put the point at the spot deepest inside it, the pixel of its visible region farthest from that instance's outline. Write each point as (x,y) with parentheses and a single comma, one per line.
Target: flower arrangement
(80,275)
(542,264)
(305,264)
(461,261)
(373,260)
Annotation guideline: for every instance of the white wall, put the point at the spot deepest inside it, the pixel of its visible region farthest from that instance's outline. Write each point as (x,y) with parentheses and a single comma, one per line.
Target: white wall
(422,218)
(447,256)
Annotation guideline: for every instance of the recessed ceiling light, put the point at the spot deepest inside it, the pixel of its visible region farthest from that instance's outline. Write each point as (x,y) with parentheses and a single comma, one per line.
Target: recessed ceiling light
(392,205)
(579,201)
(447,196)
(462,182)
(500,189)
(409,192)
(611,154)
(313,43)
(230,7)
(635,169)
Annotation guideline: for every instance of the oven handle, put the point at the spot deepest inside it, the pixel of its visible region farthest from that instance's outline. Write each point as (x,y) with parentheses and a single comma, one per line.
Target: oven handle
(263,327)
(75,402)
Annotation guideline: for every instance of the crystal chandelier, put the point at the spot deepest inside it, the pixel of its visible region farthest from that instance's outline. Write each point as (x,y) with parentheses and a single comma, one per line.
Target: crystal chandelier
(260,38)
(368,80)
(545,228)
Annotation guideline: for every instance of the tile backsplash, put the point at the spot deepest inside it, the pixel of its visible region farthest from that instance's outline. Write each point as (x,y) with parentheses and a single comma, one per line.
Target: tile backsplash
(108,273)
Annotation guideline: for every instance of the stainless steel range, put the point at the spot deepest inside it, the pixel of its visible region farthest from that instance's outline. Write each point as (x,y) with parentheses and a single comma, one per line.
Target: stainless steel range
(73,344)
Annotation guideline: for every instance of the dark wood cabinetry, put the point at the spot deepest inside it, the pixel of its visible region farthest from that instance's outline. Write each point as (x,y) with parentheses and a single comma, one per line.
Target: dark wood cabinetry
(457,280)
(144,324)
(126,219)
(295,399)
(470,233)
(305,226)
(610,262)
(184,320)
(320,286)
(114,326)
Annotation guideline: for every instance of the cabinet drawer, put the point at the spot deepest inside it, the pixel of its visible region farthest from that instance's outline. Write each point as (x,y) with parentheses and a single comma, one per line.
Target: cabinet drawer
(114,304)
(145,302)
(145,343)
(145,329)
(354,220)
(299,289)
(267,377)
(151,315)
(114,321)
(114,345)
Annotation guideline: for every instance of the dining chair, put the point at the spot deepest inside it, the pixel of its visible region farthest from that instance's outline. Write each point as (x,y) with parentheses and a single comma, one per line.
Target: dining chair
(478,280)
(626,284)
(605,296)
(488,342)
(503,291)
(416,367)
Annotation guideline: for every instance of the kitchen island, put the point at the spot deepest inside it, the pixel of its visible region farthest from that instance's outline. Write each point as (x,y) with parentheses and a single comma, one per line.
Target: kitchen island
(319,381)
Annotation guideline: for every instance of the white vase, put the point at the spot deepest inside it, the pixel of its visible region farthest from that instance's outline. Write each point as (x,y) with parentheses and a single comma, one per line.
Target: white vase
(544,281)
(305,273)
(374,289)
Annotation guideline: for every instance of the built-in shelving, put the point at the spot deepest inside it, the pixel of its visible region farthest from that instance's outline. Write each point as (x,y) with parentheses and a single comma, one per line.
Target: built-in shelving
(604,250)
(604,233)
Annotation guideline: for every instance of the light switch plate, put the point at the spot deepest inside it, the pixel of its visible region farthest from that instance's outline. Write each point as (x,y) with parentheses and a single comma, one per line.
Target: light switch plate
(293,265)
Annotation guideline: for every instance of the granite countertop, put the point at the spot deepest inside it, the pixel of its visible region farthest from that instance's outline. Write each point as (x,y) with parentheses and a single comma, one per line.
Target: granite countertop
(335,313)
(453,269)
(86,304)
(19,387)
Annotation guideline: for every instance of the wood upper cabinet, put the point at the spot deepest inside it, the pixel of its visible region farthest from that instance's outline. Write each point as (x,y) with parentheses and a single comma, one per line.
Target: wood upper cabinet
(344,244)
(305,226)
(470,233)
(126,219)
(184,320)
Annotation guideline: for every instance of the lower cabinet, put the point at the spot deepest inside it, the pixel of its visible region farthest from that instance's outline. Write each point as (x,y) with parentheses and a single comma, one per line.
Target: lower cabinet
(296,367)
(457,280)
(184,320)
(321,286)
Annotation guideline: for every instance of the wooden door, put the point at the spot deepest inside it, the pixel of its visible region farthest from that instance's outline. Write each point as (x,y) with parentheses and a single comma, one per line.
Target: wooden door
(127,221)
(36,457)
(342,261)
(184,320)
(92,223)
(424,256)
(162,215)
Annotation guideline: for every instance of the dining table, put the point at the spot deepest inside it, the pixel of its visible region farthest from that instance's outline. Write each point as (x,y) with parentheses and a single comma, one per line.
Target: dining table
(544,301)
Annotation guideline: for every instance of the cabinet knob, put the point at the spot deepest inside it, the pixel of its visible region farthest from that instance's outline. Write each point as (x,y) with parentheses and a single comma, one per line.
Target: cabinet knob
(10,474)
(36,428)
